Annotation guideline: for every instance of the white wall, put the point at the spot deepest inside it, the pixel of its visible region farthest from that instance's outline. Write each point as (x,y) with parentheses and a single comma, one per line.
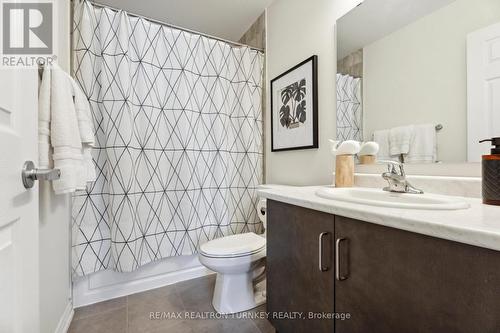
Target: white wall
(418,74)
(55,214)
(297,29)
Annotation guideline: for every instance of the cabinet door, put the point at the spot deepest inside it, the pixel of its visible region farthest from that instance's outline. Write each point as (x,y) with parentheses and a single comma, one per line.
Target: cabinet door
(399,281)
(295,281)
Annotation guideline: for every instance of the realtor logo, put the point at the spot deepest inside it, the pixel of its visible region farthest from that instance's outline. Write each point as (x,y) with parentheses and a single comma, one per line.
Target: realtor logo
(27,28)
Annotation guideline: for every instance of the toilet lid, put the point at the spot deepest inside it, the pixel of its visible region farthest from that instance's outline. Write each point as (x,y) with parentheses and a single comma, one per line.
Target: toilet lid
(234,245)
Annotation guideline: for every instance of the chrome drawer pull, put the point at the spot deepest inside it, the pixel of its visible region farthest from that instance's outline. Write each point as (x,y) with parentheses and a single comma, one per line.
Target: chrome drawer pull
(322,268)
(338,275)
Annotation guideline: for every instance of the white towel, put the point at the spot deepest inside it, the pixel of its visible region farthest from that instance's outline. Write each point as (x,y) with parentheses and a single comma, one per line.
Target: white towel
(44,149)
(399,140)
(65,131)
(423,146)
(382,138)
(85,126)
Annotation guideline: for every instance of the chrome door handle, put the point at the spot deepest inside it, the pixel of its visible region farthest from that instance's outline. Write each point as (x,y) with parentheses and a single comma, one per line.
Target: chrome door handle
(338,275)
(322,267)
(30,174)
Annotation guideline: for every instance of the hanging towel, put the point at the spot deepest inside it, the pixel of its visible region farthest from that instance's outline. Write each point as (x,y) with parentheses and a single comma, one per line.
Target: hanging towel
(399,140)
(85,126)
(44,150)
(65,131)
(382,138)
(423,146)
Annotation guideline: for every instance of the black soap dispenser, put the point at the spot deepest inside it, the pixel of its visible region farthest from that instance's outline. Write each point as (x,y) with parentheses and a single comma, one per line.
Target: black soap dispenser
(491,174)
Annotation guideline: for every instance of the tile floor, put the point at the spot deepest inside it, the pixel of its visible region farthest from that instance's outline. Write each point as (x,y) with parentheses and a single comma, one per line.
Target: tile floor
(132,313)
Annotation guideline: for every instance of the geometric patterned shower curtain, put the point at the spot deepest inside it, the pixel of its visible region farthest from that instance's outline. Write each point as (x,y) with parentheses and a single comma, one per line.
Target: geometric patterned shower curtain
(349,108)
(179,148)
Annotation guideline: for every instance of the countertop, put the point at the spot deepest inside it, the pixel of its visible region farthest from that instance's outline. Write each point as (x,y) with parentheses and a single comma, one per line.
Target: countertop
(479,225)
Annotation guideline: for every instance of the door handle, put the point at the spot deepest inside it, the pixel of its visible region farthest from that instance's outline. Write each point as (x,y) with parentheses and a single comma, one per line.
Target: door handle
(322,267)
(30,174)
(338,265)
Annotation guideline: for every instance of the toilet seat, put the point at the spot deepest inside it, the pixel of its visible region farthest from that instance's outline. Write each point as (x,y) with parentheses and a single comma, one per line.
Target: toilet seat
(239,245)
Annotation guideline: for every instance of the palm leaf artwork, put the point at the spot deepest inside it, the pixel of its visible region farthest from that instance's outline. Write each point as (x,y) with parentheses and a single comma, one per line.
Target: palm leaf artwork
(293,110)
(299,91)
(300,112)
(285,118)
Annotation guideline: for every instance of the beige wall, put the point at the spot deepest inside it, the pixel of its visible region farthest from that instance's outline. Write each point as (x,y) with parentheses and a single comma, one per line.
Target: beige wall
(256,35)
(418,74)
(54,214)
(297,29)
(352,64)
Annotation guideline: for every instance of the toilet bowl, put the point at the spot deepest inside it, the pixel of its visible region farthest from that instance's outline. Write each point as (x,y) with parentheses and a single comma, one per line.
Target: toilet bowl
(239,261)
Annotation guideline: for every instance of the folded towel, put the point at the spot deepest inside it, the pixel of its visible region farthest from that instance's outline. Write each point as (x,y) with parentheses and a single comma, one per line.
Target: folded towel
(382,138)
(399,140)
(423,146)
(65,131)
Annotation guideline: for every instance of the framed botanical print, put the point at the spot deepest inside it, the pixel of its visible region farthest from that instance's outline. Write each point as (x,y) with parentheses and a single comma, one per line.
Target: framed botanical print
(294,107)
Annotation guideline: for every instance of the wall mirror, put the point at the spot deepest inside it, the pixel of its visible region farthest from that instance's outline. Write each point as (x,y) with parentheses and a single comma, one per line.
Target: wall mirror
(430,68)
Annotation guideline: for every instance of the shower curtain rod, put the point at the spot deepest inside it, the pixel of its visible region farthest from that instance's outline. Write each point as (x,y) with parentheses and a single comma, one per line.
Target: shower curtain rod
(100,5)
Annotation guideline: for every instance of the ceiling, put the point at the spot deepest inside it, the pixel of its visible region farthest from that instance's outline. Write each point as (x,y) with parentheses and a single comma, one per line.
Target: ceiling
(374,19)
(228,19)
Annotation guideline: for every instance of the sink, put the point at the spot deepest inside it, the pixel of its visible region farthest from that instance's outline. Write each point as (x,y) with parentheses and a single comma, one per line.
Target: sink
(378,197)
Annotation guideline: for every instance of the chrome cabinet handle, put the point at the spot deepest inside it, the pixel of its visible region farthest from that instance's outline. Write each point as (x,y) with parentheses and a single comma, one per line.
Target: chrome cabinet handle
(30,174)
(338,275)
(322,267)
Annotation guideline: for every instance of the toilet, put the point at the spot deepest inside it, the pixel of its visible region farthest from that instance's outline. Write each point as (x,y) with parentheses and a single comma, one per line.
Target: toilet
(239,261)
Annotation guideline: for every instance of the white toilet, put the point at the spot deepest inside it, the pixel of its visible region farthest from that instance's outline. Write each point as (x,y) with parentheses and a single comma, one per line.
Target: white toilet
(239,261)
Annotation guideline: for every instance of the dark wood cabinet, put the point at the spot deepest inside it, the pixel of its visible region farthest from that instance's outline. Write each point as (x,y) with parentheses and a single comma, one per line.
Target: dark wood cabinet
(296,284)
(400,281)
(386,279)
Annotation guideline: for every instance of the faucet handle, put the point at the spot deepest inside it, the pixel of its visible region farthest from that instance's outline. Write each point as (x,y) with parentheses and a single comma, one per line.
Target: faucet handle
(394,167)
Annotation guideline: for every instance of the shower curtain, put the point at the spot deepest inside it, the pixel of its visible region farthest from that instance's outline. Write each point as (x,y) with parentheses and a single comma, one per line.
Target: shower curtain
(349,108)
(178,127)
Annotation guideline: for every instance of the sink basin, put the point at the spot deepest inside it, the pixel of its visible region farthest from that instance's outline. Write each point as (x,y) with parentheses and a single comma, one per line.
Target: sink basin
(378,197)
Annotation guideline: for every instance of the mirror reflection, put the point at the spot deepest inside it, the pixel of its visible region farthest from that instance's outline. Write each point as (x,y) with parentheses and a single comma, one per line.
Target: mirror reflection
(421,78)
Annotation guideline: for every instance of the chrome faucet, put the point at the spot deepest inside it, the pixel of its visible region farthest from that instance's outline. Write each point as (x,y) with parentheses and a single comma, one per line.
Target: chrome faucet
(396,177)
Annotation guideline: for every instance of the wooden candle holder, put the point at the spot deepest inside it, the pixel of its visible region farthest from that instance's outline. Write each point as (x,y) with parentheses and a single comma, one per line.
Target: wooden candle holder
(367,159)
(344,171)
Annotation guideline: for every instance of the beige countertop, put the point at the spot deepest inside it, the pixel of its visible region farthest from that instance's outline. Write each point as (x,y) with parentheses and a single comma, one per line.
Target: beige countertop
(478,225)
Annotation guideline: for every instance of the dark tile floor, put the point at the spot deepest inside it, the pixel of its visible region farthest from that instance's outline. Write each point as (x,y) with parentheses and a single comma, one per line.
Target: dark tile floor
(188,304)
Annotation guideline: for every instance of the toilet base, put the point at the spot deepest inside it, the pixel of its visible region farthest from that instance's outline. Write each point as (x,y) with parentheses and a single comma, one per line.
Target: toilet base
(236,293)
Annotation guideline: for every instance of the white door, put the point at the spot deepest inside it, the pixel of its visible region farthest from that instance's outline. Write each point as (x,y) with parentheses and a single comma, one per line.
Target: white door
(483,90)
(19,299)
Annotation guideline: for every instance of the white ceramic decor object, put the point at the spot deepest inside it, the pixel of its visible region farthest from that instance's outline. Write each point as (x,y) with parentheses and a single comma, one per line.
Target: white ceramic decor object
(369,148)
(349,147)
(333,145)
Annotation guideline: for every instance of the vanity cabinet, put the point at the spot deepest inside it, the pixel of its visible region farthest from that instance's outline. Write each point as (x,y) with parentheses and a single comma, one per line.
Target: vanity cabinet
(388,280)
(295,281)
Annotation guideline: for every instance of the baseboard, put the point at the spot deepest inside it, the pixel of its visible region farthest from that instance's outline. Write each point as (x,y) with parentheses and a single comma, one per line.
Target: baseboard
(107,285)
(65,321)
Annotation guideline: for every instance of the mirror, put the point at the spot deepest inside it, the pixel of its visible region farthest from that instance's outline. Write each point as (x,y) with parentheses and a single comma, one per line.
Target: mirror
(420,77)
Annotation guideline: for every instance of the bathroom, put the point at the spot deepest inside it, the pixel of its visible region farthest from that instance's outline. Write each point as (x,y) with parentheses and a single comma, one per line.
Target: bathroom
(250,166)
